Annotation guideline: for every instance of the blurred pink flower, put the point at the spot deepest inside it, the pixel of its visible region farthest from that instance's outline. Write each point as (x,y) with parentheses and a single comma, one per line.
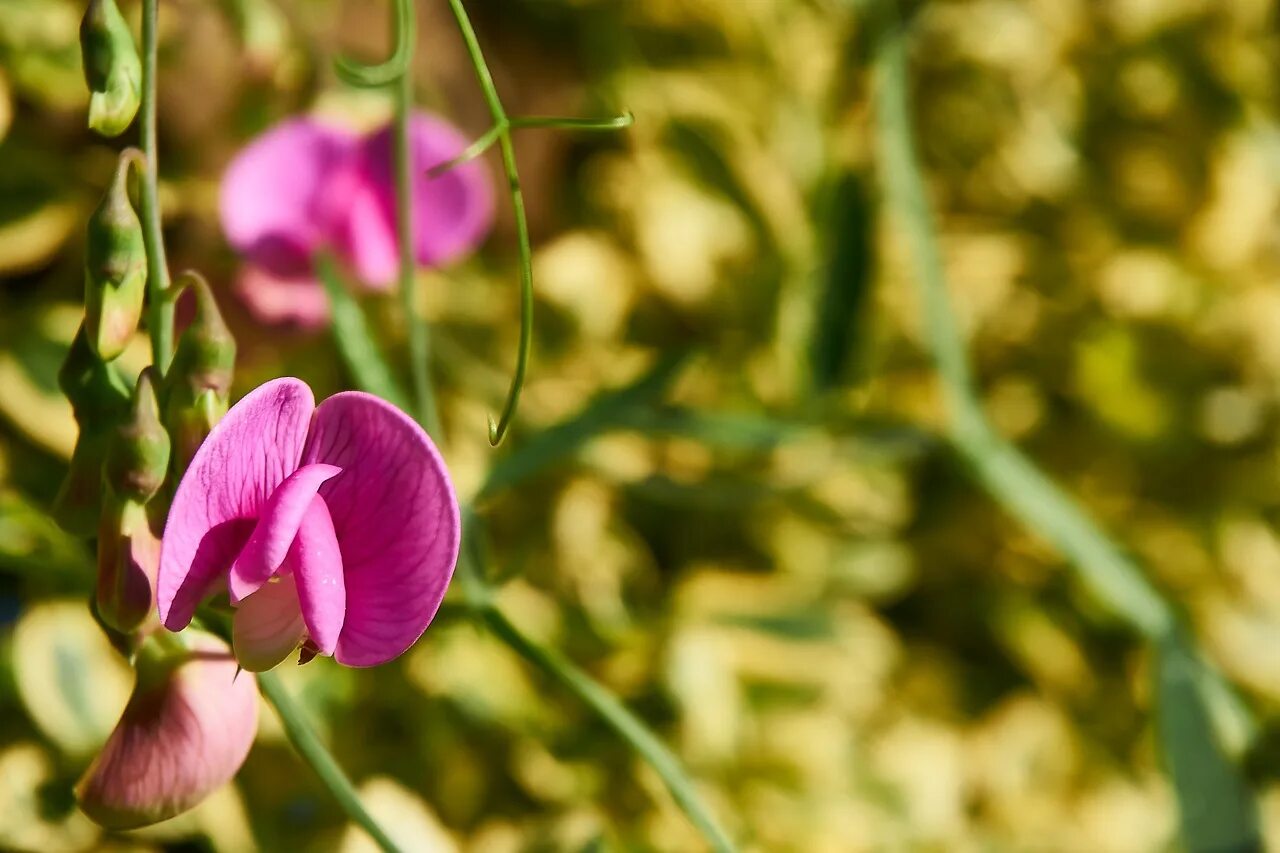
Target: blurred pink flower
(335,525)
(304,187)
(185,732)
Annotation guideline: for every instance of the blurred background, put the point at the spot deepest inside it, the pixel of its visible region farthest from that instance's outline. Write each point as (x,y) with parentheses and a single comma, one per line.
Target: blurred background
(770,554)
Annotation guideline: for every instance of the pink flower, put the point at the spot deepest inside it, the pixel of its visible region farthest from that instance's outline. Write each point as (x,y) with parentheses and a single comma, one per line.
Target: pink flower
(185,732)
(304,186)
(335,525)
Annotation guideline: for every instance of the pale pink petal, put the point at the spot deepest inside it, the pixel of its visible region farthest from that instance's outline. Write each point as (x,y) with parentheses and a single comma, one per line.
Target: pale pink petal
(315,561)
(182,735)
(396,519)
(268,625)
(237,468)
(273,197)
(277,526)
(299,299)
(451,213)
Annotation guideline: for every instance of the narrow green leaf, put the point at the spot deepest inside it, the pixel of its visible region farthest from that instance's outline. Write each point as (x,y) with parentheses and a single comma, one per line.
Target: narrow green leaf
(356,346)
(1217,809)
(845,283)
(607,411)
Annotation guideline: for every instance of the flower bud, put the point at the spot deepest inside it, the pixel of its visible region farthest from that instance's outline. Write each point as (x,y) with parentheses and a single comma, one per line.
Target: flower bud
(198,384)
(128,559)
(115,274)
(112,68)
(138,453)
(185,732)
(100,400)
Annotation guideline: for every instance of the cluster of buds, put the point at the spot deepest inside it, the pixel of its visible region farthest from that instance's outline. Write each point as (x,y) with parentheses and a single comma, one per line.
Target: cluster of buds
(190,720)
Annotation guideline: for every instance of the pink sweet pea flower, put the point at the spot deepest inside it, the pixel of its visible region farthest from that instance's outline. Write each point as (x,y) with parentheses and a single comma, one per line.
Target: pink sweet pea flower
(185,732)
(304,187)
(333,525)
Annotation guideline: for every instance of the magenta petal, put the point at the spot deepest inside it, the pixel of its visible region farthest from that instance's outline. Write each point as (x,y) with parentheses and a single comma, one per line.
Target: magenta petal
(451,213)
(273,199)
(268,625)
(316,564)
(237,468)
(182,735)
(277,525)
(396,519)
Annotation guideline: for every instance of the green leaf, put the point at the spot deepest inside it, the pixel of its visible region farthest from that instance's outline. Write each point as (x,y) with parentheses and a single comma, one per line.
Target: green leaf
(609,410)
(840,306)
(1217,808)
(356,346)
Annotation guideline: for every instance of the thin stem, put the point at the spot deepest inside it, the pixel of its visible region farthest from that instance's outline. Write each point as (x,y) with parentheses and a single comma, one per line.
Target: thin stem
(160,310)
(304,739)
(419,344)
(498,429)
(471,152)
(588,124)
(619,718)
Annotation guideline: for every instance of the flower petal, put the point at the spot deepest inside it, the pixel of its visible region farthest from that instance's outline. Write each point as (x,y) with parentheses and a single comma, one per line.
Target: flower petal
(274,194)
(268,625)
(274,533)
(316,563)
(184,733)
(237,468)
(277,298)
(396,519)
(451,213)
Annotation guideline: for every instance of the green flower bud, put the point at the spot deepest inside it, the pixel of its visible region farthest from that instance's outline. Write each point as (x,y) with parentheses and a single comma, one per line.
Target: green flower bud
(112,68)
(198,384)
(138,453)
(115,273)
(100,401)
(128,561)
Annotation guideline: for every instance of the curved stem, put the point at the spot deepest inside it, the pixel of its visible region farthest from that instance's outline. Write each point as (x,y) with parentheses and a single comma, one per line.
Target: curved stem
(502,126)
(304,739)
(395,66)
(160,310)
(484,142)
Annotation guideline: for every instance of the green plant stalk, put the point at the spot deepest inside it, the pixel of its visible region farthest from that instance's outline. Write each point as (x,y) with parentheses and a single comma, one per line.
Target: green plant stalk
(304,739)
(419,342)
(610,709)
(502,127)
(1010,477)
(1025,491)
(160,309)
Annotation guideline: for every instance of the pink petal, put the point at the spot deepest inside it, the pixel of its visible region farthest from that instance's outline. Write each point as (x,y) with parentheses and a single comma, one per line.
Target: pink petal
(182,735)
(277,526)
(316,562)
(237,468)
(275,298)
(268,625)
(273,197)
(396,519)
(451,213)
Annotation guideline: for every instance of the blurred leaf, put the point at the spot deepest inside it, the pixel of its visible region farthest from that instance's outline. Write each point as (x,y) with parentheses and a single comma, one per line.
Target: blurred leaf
(33,546)
(845,287)
(27,823)
(356,345)
(72,682)
(407,819)
(1218,812)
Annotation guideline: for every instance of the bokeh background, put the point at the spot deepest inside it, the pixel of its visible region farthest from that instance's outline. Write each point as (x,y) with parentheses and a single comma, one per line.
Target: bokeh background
(772,556)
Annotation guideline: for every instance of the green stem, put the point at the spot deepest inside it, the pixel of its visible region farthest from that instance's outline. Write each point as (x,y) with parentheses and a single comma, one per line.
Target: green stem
(160,310)
(307,743)
(502,125)
(419,344)
(610,709)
